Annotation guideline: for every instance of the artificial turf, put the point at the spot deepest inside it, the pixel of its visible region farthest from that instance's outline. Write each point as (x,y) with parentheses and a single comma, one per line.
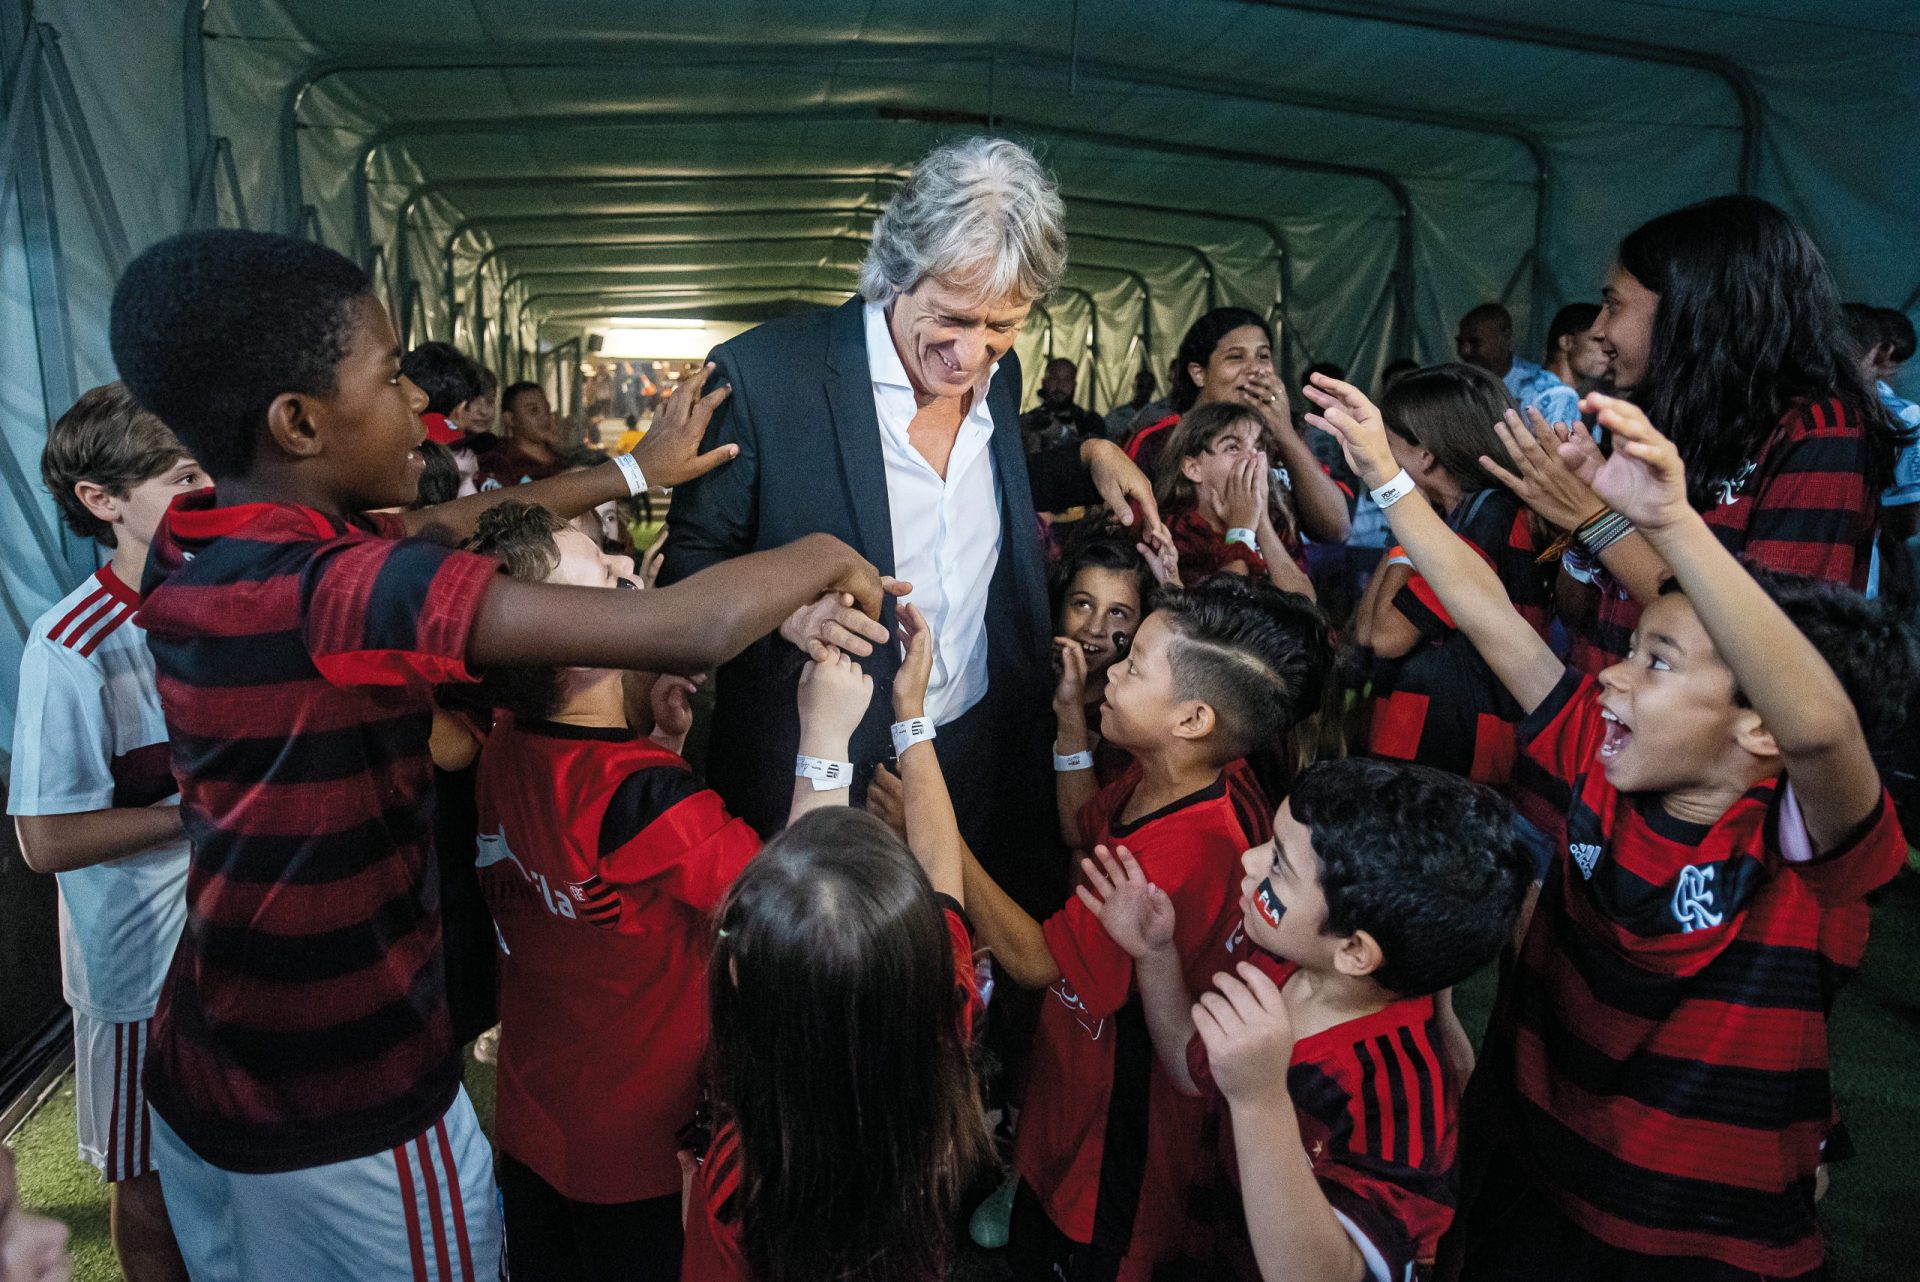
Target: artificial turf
(1873,1231)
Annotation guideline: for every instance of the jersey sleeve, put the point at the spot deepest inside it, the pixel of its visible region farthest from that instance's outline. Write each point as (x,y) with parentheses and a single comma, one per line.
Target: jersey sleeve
(62,753)
(663,827)
(1862,862)
(1099,971)
(1813,511)
(1562,734)
(1392,1226)
(966,982)
(387,612)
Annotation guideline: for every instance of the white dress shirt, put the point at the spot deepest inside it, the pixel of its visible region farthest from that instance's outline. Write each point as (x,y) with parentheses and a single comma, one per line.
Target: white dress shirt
(946,533)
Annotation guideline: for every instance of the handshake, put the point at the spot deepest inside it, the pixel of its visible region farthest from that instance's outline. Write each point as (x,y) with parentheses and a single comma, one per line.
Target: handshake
(835,693)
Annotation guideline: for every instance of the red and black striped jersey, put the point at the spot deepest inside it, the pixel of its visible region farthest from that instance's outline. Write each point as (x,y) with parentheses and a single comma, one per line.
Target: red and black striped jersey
(1440,704)
(714,1252)
(1801,506)
(601,857)
(1378,1106)
(304,1020)
(1663,1034)
(1106,1141)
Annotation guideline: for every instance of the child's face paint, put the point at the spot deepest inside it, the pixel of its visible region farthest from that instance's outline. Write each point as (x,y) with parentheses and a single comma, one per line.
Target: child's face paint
(1268,904)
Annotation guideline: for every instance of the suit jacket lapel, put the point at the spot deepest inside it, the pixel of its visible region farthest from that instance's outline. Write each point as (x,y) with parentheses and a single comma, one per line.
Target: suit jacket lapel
(856,426)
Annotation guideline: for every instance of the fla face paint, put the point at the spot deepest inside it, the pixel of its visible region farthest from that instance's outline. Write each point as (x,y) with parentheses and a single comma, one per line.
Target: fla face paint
(1268,904)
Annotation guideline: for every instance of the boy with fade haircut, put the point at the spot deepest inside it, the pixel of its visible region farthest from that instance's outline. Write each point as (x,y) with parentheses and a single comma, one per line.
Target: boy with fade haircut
(1107,1145)
(306,1086)
(1384,885)
(95,802)
(536,445)
(603,860)
(1656,1075)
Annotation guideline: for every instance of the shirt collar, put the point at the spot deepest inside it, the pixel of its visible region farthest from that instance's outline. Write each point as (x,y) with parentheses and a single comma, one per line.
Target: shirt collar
(883,359)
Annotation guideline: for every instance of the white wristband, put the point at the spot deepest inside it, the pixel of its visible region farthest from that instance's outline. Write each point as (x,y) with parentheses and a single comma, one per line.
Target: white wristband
(909,732)
(825,775)
(1071,762)
(1393,491)
(1242,535)
(630,468)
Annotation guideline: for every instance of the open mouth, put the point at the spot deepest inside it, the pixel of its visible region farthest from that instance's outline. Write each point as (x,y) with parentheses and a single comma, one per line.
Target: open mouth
(1618,735)
(948,363)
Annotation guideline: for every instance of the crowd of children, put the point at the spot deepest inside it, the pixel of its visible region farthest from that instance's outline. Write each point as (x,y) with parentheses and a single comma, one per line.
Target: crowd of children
(361,719)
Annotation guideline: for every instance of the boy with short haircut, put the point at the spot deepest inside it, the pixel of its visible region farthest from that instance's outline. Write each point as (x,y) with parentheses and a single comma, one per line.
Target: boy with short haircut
(603,859)
(1107,1145)
(537,442)
(95,801)
(304,1078)
(1384,884)
(1657,1071)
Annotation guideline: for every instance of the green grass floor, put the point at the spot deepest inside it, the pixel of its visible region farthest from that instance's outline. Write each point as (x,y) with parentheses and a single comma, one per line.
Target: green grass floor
(1869,1214)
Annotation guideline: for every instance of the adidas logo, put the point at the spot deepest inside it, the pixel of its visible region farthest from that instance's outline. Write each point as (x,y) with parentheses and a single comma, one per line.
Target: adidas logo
(1586,855)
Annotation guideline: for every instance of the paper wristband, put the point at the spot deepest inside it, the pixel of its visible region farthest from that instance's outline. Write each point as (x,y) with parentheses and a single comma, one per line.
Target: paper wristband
(630,468)
(823,774)
(1071,762)
(1393,491)
(909,732)
(1240,534)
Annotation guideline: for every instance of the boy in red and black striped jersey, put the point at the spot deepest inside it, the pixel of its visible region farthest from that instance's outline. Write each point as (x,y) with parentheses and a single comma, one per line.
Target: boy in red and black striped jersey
(1657,1074)
(301,1065)
(1383,885)
(1107,1146)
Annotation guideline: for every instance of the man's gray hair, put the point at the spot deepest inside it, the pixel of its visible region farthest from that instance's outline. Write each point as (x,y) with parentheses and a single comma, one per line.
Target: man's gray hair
(981,213)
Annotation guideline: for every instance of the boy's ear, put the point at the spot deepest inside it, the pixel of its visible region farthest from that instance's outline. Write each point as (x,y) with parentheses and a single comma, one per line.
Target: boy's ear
(1752,734)
(1358,955)
(292,426)
(1197,721)
(1190,468)
(98,500)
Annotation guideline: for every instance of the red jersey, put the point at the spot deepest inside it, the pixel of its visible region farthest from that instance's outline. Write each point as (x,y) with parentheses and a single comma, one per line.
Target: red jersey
(1802,506)
(1144,446)
(509,466)
(1440,704)
(1378,1107)
(602,858)
(1663,1034)
(713,1251)
(1106,1141)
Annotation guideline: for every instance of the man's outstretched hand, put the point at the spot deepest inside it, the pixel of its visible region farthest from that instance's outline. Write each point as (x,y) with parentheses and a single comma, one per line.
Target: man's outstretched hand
(836,620)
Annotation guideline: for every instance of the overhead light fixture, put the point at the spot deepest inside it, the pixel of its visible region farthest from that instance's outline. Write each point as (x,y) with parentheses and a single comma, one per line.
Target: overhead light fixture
(648,338)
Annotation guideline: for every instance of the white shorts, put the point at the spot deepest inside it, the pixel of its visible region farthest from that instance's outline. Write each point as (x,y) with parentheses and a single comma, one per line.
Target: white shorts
(111,1117)
(425,1211)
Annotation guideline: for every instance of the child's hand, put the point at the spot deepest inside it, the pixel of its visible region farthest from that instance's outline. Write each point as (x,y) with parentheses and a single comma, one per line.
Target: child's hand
(887,800)
(1355,422)
(1163,559)
(1070,691)
(1248,1032)
(1134,911)
(1241,499)
(1542,479)
(834,694)
(1643,480)
(672,713)
(670,451)
(916,668)
(653,558)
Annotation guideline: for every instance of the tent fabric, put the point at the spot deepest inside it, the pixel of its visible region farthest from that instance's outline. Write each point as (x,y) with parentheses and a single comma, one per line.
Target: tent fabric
(513,173)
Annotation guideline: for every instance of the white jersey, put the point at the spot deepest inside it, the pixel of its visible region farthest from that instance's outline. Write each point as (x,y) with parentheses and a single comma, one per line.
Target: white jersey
(88,736)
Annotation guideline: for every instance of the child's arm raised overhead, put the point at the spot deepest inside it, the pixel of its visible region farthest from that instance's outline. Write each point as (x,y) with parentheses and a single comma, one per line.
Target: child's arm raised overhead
(1140,918)
(1072,789)
(933,833)
(1466,585)
(834,694)
(668,455)
(1248,1033)
(1801,704)
(689,627)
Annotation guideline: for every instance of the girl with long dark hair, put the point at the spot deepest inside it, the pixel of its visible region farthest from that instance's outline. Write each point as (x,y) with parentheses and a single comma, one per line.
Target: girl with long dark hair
(1227,355)
(1722,321)
(841,1000)
(1223,510)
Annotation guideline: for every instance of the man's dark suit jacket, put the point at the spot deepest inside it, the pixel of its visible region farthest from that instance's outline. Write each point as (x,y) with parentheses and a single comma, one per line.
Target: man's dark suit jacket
(810,460)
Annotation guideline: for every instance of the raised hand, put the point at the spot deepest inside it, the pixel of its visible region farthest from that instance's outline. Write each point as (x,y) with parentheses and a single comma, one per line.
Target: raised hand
(1355,421)
(916,668)
(838,621)
(1248,1032)
(1162,558)
(670,451)
(1136,913)
(672,711)
(1122,484)
(1542,480)
(1643,480)
(1070,690)
(834,694)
